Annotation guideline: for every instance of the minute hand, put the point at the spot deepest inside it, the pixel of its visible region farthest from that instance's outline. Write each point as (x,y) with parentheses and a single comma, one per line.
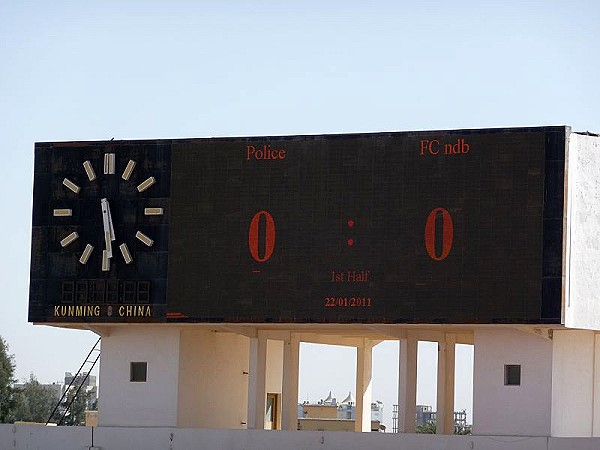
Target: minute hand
(109,233)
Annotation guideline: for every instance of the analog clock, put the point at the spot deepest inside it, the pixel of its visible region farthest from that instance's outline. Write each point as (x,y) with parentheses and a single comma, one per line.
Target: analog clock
(106,211)
(102,242)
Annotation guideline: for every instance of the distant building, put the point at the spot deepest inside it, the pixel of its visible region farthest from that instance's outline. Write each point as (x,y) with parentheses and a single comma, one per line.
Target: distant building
(377,411)
(426,415)
(89,385)
(347,408)
(329,415)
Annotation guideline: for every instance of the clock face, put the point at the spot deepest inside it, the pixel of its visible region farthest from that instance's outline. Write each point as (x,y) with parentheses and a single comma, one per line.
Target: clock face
(105,207)
(107,187)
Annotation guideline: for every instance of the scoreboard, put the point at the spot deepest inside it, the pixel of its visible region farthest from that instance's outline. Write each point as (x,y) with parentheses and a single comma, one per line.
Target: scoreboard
(461,226)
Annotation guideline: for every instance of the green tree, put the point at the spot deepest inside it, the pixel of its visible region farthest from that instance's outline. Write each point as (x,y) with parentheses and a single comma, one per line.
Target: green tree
(464,430)
(430,428)
(76,413)
(7,391)
(35,402)
(427,428)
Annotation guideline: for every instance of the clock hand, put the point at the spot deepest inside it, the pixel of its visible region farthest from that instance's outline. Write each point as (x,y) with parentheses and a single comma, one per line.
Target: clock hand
(109,234)
(110,222)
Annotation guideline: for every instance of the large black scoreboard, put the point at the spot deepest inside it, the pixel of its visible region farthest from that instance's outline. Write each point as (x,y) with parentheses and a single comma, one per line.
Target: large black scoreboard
(461,226)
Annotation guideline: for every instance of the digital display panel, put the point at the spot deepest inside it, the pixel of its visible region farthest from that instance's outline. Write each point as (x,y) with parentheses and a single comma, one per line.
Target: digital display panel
(457,226)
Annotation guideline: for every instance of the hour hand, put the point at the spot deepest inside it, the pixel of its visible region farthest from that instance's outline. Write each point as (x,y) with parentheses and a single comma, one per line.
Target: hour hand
(109,232)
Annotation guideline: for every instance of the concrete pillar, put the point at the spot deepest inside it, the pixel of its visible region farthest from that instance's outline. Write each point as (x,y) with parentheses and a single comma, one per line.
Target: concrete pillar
(596,408)
(572,383)
(252,384)
(364,374)
(291,367)
(407,384)
(445,385)
(258,388)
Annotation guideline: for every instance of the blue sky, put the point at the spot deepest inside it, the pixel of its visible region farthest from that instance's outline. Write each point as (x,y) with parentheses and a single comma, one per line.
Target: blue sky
(162,69)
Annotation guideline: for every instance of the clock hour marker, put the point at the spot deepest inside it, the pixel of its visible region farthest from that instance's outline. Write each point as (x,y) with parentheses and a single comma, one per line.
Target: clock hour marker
(105,261)
(63,212)
(70,238)
(86,254)
(145,239)
(146,184)
(68,183)
(128,169)
(153,211)
(89,170)
(109,164)
(125,252)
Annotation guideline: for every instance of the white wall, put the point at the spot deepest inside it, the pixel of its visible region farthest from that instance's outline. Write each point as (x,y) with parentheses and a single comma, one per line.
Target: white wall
(511,410)
(26,437)
(153,403)
(77,438)
(573,383)
(213,380)
(582,282)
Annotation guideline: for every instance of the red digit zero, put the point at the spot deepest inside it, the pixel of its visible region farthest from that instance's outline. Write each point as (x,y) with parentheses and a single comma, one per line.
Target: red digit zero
(447,234)
(269,238)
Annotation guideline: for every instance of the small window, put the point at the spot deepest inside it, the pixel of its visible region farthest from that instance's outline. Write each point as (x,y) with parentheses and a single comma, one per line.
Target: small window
(512,375)
(138,371)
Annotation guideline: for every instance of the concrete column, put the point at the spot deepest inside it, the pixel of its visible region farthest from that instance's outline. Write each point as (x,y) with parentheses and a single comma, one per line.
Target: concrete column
(572,383)
(291,367)
(364,374)
(596,408)
(257,392)
(407,385)
(445,385)
(252,374)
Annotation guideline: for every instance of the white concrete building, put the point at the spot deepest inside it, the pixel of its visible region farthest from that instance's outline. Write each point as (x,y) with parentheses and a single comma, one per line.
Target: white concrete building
(528,378)
(557,377)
